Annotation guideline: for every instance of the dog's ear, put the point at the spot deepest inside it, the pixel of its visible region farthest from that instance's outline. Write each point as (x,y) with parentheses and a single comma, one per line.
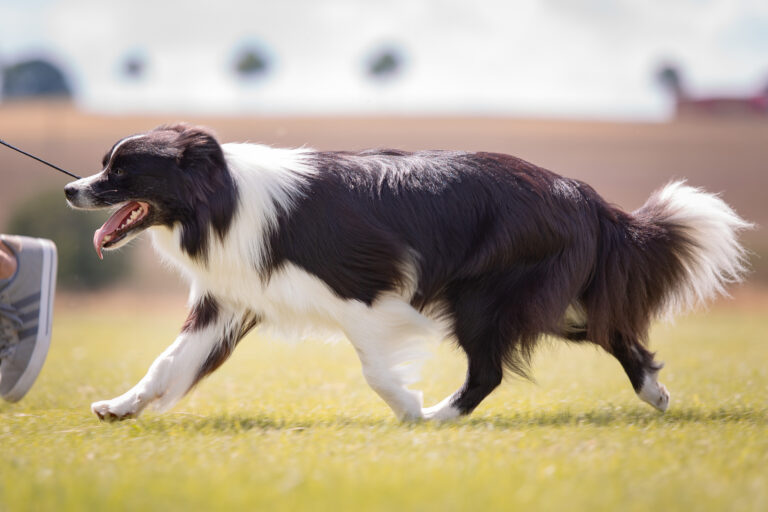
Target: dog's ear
(177,127)
(195,146)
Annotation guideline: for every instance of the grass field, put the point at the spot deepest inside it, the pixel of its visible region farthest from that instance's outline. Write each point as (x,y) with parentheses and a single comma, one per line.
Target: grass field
(293,427)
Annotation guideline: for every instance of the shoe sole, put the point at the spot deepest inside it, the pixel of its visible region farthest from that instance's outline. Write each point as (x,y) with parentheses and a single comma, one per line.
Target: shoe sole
(45,321)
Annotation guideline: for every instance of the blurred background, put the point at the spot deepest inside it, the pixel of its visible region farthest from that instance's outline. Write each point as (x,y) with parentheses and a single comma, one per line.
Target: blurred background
(624,94)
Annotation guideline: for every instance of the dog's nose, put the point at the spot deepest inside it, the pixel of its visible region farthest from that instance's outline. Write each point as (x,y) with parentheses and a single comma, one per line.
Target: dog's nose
(70,191)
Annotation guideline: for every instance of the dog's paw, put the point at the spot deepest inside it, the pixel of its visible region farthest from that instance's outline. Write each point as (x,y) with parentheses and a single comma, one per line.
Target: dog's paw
(444,411)
(655,394)
(662,402)
(408,408)
(113,410)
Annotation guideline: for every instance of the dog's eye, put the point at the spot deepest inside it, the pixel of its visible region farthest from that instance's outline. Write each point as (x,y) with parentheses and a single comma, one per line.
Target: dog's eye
(118,172)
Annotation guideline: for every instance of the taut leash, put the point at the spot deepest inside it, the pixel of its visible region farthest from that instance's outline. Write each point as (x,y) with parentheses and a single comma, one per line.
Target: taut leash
(39,159)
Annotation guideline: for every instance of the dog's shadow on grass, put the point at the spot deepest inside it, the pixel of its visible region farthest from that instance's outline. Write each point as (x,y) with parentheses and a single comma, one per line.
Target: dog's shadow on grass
(608,417)
(233,423)
(224,423)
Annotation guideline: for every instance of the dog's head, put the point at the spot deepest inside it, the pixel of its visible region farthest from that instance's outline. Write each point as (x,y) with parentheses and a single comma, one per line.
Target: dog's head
(174,175)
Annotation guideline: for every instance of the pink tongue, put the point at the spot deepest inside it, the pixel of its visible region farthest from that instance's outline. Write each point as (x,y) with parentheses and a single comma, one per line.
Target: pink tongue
(111,225)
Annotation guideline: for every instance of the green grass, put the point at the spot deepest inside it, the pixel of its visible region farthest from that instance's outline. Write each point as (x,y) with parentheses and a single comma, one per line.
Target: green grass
(291,427)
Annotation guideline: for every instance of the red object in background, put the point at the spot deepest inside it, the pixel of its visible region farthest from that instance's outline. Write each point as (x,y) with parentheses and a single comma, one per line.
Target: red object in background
(711,106)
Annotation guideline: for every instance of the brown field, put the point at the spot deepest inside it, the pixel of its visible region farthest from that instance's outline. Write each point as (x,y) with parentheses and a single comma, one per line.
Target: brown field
(623,161)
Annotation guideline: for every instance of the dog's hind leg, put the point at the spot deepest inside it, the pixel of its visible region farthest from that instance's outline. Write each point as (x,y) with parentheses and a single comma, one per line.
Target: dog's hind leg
(641,369)
(485,338)
(483,376)
(207,339)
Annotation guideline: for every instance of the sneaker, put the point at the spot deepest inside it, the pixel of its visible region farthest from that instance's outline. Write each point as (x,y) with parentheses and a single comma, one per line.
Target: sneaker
(26,314)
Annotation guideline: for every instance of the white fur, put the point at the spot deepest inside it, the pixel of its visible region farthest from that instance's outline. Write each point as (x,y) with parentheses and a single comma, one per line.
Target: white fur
(654,393)
(718,257)
(383,336)
(86,202)
(169,377)
(443,411)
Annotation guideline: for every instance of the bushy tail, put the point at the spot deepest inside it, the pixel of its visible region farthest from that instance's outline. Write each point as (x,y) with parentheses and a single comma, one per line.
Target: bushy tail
(677,251)
(700,232)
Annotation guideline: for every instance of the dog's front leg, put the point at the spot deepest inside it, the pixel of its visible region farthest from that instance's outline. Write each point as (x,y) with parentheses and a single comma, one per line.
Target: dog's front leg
(168,379)
(207,339)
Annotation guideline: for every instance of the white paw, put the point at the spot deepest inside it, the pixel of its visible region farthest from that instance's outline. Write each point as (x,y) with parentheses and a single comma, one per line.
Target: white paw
(655,394)
(444,411)
(115,410)
(663,399)
(409,406)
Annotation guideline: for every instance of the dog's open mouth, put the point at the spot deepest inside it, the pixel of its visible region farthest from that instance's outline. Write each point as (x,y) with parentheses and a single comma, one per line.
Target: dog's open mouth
(128,218)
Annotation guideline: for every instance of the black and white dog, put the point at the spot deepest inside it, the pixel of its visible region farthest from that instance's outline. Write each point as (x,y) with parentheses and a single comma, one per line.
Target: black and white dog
(390,247)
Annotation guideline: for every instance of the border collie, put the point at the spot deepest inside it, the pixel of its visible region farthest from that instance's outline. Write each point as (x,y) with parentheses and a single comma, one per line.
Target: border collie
(389,247)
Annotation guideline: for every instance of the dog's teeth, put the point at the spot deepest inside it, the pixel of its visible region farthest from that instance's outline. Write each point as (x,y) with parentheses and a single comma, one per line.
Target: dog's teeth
(135,214)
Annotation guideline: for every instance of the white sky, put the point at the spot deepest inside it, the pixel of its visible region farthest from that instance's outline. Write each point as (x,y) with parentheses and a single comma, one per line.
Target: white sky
(572,58)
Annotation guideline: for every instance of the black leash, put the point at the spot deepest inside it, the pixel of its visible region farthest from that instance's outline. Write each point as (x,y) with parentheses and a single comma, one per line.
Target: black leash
(39,159)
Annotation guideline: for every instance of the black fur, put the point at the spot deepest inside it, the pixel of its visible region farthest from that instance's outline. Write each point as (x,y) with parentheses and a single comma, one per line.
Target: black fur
(202,314)
(226,344)
(205,313)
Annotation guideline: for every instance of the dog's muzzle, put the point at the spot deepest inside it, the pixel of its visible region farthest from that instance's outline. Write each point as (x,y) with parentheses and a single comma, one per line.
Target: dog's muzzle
(71,191)
(79,194)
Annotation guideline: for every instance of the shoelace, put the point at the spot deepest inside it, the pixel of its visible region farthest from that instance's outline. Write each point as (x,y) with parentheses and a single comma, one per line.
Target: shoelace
(8,314)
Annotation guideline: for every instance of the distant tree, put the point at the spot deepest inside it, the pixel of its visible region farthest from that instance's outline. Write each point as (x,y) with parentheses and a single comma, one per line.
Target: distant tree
(385,63)
(669,76)
(251,62)
(35,78)
(47,215)
(134,66)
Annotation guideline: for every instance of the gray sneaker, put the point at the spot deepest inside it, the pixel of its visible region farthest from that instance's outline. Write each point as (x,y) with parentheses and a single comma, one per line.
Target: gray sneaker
(26,314)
